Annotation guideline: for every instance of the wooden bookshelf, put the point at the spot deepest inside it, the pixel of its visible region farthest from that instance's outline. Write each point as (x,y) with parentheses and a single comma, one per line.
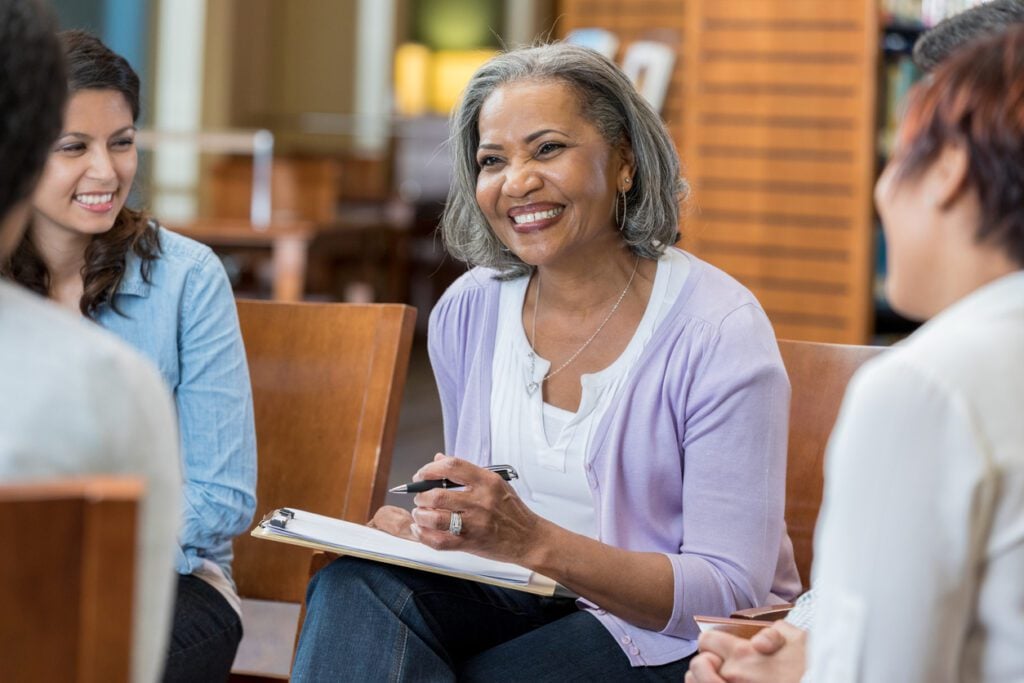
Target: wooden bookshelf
(772,107)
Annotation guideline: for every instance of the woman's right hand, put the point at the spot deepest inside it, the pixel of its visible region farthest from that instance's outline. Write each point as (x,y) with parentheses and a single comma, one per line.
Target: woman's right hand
(393,520)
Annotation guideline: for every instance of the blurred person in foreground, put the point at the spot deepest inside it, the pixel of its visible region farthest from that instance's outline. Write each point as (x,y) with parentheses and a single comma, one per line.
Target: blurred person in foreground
(168,297)
(920,547)
(638,391)
(73,399)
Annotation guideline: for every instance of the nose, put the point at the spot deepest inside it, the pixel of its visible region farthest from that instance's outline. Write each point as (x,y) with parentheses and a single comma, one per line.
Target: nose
(101,166)
(521,179)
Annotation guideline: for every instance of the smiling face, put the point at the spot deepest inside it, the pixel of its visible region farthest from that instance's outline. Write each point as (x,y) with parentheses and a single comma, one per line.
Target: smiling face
(91,166)
(548,179)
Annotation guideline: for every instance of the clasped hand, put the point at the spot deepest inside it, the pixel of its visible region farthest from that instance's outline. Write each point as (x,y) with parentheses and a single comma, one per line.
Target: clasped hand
(495,522)
(774,655)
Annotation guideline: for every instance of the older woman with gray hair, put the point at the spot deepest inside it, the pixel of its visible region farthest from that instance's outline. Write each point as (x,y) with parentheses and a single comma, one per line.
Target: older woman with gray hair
(637,390)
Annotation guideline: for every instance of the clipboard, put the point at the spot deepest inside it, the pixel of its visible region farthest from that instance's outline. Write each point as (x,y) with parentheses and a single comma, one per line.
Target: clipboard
(309,530)
(741,628)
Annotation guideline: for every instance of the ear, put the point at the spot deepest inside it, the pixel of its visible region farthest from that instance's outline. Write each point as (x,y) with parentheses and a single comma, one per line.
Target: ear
(627,168)
(947,176)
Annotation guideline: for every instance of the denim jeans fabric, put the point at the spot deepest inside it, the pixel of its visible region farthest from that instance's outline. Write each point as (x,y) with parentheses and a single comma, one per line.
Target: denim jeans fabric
(205,635)
(369,621)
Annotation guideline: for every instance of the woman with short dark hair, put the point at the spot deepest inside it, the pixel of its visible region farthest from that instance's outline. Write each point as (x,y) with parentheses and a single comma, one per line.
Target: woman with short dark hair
(920,550)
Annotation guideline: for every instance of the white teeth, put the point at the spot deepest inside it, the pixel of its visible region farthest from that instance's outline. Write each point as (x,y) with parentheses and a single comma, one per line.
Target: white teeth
(538,216)
(93,199)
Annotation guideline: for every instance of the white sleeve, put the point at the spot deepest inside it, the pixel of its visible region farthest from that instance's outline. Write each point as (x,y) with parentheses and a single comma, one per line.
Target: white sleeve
(142,428)
(905,482)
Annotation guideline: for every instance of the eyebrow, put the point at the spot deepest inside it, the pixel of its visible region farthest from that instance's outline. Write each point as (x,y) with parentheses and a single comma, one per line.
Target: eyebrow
(119,131)
(528,139)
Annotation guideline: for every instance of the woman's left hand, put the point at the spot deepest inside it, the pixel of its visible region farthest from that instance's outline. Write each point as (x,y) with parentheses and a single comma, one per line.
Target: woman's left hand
(495,521)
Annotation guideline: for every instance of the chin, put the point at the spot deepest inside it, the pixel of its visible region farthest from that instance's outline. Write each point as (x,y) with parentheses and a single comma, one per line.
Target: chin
(531,256)
(97,227)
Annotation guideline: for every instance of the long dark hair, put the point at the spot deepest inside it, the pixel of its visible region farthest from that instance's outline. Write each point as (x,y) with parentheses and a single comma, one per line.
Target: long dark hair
(91,65)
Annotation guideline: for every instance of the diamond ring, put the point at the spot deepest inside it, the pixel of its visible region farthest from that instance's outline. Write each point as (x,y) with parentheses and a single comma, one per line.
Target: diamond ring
(455,524)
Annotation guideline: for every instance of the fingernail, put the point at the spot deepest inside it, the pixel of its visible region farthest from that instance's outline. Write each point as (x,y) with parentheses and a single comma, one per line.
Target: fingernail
(415,528)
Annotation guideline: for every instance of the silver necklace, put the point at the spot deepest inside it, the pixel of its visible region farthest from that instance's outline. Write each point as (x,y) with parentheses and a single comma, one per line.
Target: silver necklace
(533,385)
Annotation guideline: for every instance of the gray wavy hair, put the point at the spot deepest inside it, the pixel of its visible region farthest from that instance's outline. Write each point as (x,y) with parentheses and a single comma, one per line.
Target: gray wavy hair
(610,102)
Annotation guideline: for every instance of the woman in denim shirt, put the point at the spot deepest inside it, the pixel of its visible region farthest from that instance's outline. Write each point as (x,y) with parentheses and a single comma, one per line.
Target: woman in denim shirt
(169,297)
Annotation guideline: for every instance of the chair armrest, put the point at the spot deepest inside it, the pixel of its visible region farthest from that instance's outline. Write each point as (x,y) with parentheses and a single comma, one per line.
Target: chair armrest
(765,613)
(741,628)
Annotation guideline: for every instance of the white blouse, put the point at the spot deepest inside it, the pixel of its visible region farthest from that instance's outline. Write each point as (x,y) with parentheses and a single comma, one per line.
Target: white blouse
(549,446)
(919,552)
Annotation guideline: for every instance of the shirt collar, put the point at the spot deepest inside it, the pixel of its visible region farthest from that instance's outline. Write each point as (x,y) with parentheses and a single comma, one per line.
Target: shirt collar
(997,298)
(132,282)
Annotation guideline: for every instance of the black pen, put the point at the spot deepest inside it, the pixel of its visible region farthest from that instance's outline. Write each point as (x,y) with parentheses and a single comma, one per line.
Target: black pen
(506,472)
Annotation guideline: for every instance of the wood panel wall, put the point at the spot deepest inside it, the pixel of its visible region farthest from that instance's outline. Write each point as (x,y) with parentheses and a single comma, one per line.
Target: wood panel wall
(772,107)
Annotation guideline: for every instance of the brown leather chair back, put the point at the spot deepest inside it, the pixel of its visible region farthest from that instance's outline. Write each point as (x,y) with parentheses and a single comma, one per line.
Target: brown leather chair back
(67,574)
(327,383)
(819,374)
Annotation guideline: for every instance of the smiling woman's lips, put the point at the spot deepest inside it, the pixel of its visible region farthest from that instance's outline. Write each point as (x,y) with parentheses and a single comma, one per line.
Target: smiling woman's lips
(533,218)
(537,225)
(93,206)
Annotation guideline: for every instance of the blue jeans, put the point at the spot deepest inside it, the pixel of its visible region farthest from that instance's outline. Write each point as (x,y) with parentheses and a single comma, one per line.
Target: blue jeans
(205,634)
(369,621)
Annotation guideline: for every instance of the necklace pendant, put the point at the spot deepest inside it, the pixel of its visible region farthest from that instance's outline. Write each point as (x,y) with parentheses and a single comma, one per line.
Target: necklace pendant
(531,387)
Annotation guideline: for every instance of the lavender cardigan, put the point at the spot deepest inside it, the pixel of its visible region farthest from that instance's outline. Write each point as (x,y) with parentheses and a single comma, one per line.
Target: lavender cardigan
(690,460)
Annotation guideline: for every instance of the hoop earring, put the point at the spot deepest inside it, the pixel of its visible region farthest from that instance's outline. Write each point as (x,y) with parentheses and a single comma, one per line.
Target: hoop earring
(621,221)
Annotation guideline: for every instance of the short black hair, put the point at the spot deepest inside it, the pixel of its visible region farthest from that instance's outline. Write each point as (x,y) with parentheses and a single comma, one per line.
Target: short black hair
(33,88)
(936,44)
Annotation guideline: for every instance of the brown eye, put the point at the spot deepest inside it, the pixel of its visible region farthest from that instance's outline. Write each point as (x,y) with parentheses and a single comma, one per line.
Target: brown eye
(548,148)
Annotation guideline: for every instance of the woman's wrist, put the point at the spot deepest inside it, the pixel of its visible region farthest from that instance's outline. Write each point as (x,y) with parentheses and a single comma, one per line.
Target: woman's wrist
(547,549)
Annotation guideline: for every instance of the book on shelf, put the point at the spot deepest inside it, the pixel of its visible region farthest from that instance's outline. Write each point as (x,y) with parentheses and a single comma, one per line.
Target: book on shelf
(900,10)
(899,75)
(928,12)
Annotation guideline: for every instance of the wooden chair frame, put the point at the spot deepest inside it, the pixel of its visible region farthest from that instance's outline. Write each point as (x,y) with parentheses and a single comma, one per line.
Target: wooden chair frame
(327,385)
(67,578)
(818,374)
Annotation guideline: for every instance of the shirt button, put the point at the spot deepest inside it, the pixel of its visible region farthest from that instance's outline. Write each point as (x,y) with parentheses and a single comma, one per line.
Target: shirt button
(625,640)
(634,650)
(601,611)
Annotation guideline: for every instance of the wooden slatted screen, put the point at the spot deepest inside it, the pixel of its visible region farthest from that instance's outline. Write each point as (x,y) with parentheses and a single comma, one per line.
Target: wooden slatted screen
(772,109)
(779,147)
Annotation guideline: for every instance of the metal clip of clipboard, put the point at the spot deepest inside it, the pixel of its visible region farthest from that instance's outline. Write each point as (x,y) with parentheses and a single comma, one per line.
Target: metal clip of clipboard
(278,518)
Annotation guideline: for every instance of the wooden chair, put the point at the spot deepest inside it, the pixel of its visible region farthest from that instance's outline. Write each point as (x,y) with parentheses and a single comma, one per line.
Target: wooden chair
(818,374)
(327,383)
(67,574)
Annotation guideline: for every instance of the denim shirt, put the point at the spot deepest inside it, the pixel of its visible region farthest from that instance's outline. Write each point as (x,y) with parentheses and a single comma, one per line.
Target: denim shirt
(185,321)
